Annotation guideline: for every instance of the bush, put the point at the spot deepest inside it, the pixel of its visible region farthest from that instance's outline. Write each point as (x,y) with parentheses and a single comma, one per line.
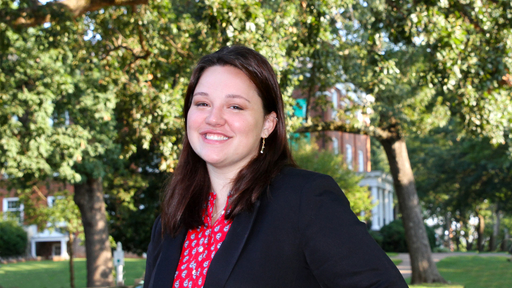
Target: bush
(441,250)
(393,237)
(13,239)
(376,236)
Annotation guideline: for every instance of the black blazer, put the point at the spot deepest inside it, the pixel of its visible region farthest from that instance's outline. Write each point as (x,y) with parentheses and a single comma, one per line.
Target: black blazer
(300,234)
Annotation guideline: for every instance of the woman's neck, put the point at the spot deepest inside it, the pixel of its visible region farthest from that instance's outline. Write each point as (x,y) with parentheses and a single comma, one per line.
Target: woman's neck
(221,181)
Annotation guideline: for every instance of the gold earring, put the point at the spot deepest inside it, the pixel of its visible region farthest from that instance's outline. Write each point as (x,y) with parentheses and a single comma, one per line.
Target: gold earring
(262,146)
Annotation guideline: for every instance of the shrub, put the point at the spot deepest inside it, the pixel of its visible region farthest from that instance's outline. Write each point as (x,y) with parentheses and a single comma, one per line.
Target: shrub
(376,236)
(393,237)
(13,239)
(441,250)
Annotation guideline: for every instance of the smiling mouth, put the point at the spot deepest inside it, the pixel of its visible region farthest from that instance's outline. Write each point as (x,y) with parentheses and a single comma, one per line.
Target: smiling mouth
(215,137)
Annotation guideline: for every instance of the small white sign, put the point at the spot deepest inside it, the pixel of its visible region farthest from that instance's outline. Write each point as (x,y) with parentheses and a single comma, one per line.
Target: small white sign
(119,255)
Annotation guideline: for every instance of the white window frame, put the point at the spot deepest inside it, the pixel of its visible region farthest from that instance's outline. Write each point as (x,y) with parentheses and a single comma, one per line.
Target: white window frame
(54,249)
(349,156)
(6,209)
(50,200)
(335,146)
(360,160)
(334,96)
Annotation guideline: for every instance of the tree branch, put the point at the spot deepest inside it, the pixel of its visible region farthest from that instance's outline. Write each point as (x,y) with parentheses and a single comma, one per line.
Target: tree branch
(342,126)
(40,14)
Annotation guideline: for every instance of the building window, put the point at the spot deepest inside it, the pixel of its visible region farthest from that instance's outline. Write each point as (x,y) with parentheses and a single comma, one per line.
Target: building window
(335,146)
(300,108)
(66,118)
(51,200)
(13,208)
(349,158)
(360,160)
(56,250)
(334,114)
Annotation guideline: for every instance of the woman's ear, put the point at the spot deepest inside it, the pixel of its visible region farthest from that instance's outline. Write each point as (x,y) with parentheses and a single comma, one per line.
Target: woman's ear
(269,124)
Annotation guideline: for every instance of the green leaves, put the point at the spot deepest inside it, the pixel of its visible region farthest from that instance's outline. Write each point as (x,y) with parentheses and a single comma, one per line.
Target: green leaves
(32,82)
(309,157)
(456,50)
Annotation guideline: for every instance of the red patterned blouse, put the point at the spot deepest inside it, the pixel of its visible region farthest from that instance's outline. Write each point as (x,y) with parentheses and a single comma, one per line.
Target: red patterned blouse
(199,248)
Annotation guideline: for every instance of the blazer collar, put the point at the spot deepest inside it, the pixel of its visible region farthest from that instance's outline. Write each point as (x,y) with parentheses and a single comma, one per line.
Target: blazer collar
(221,265)
(228,253)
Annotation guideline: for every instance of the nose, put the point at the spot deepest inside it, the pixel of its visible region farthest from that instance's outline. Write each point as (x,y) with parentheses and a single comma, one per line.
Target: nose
(215,117)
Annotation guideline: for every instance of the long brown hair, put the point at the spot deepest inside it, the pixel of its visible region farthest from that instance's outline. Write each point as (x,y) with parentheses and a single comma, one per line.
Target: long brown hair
(187,193)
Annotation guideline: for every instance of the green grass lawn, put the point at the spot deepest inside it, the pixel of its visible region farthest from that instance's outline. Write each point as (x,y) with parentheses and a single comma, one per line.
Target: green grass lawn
(395,260)
(477,272)
(49,274)
(437,285)
(474,272)
(468,271)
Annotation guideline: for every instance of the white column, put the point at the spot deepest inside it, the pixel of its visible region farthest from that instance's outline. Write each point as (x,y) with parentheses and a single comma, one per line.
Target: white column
(64,248)
(33,248)
(390,195)
(385,206)
(381,209)
(375,210)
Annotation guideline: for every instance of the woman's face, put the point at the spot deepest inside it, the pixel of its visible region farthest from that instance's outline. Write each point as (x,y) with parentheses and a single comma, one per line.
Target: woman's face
(226,120)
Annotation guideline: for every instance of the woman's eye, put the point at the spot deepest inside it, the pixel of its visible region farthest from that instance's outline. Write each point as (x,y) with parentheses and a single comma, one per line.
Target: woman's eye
(236,107)
(201,104)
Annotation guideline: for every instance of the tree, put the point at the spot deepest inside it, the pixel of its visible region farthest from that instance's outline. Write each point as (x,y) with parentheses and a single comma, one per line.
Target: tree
(56,125)
(133,203)
(65,211)
(390,129)
(425,62)
(100,88)
(459,177)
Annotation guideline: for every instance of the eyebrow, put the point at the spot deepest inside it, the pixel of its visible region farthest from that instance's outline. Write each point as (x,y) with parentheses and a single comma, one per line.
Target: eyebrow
(237,96)
(227,96)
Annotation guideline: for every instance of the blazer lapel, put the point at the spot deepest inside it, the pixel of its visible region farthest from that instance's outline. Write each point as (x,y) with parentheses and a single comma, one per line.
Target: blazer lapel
(228,253)
(167,263)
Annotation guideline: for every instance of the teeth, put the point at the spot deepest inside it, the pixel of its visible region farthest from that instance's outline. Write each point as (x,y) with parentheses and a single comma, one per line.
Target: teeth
(216,137)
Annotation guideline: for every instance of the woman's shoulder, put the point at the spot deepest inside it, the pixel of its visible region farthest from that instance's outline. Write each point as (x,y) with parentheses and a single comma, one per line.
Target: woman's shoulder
(300,175)
(296,179)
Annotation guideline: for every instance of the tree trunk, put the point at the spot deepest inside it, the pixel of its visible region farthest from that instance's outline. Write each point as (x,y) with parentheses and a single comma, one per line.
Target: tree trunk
(424,269)
(457,239)
(469,246)
(506,237)
(448,228)
(480,231)
(89,199)
(71,254)
(495,229)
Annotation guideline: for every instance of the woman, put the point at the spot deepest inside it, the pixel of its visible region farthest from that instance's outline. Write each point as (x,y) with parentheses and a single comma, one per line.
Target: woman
(237,213)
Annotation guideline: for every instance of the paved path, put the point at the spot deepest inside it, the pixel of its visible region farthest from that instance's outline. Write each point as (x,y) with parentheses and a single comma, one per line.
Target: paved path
(405,266)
